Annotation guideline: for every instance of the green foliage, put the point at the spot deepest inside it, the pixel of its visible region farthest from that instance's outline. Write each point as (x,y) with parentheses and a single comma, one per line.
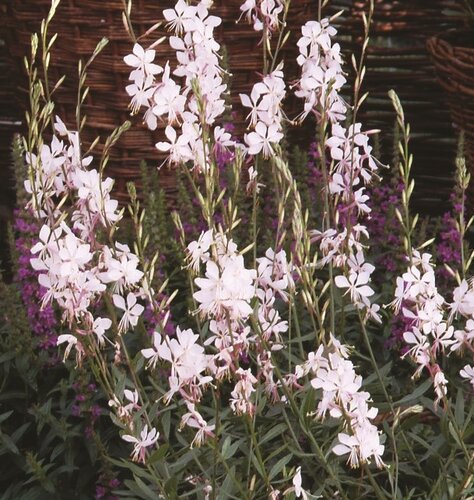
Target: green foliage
(43,448)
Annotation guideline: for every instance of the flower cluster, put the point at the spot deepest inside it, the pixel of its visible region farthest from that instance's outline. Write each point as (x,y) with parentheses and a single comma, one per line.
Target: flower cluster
(321,71)
(266,115)
(188,363)
(350,165)
(333,374)
(263,14)
(432,334)
(75,268)
(193,107)
(229,296)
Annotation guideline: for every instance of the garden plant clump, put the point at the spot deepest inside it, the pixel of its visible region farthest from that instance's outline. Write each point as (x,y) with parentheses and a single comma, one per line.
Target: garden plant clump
(239,362)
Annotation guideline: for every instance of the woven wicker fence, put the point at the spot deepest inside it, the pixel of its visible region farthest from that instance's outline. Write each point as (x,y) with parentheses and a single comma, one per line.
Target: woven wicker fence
(82,23)
(453,56)
(398,59)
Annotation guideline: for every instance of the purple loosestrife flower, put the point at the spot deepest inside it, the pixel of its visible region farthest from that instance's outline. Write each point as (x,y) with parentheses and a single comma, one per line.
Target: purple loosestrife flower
(42,320)
(448,249)
(385,229)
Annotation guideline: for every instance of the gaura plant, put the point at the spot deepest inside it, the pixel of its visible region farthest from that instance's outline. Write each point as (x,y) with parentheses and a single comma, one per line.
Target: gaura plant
(256,392)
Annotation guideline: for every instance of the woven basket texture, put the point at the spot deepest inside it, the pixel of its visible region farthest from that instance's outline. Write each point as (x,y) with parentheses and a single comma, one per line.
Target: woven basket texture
(9,125)
(453,56)
(398,59)
(82,23)
(10,118)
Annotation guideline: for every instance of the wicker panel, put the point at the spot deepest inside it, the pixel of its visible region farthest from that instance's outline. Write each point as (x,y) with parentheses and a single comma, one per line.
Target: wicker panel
(10,115)
(453,56)
(9,124)
(398,59)
(82,23)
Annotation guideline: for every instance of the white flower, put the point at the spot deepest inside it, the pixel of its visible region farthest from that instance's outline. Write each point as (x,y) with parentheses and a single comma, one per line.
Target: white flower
(178,147)
(146,440)
(357,286)
(71,342)
(417,339)
(430,316)
(194,420)
(152,354)
(132,310)
(142,60)
(463,300)
(179,15)
(228,289)
(74,255)
(262,139)
(99,327)
(439,382)
(186,356)
(198,251)
(443,337)
(468,373)
(362,446)
(275,272)
(253,184)
(141,93)
(168,98)
(297,482)
(240,402)
(121,270)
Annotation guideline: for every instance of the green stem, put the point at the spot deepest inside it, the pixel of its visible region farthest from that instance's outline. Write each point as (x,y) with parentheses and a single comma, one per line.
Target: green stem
(388,397)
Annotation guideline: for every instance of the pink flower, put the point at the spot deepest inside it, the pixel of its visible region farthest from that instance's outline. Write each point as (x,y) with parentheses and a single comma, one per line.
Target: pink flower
(132,311)
(228,289)
(468,373)
(142,60)
(262,139)
(146,440)
(357,286)
(194,419)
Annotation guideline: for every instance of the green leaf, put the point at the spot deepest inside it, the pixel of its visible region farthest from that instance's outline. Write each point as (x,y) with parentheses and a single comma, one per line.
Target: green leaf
(272,433)
(227,488)
(257,465)
(171,486)
(418,392)
(459,408)
(454,434)
(7,356)
(5,415)
(228,449)
(16,436)
(147,492)
(374,377)
(9,444)
(159,454)
(278,467)
(166,423)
